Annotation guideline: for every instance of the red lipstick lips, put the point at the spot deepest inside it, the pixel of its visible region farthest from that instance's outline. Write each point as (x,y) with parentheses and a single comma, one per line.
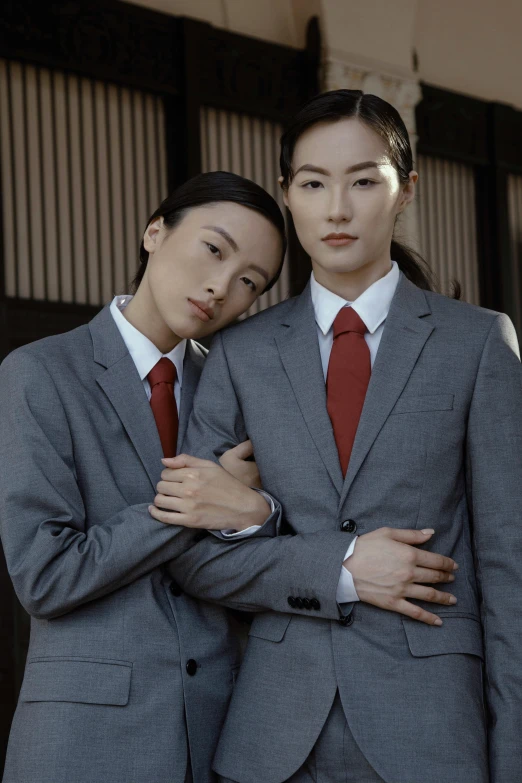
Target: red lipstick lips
(338,240)
(203,311)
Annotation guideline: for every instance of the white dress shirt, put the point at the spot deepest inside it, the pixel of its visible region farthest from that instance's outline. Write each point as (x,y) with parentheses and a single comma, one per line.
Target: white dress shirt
(372,307)
(144,353)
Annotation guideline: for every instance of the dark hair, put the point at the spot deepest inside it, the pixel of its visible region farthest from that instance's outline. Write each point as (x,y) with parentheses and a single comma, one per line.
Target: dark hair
(211,188)
(385,120)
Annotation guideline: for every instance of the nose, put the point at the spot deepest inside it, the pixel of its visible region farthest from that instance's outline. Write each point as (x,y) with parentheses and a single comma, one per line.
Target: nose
(218,288)
(339,207)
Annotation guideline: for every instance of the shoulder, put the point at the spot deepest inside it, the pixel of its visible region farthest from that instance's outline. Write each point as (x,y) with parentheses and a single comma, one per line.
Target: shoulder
(260,326)
(56,354)
(461,314)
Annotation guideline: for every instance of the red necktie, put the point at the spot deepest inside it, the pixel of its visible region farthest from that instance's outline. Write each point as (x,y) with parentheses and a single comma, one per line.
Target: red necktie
(162,378)
(347,381)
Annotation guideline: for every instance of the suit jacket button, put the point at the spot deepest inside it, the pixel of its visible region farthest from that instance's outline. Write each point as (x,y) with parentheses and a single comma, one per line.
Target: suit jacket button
(291,601)
(191,667)
(346,620)
(349,526)
(314,604)
(299,602)
(306,604)
(175,589)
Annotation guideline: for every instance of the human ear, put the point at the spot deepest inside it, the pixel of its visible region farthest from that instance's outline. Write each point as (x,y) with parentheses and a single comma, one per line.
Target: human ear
(408,191)
(151,237)
(285,192)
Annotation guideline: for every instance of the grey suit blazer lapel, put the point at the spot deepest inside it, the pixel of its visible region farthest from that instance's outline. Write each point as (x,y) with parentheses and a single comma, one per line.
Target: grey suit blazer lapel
(299,350)
(124,388)
(192,367)
(403,339)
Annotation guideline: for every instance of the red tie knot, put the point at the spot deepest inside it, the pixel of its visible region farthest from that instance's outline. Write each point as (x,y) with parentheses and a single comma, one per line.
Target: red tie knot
(163,372)
(347,320)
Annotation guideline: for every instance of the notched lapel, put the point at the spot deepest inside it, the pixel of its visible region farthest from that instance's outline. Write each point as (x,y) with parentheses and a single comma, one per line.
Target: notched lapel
(124,388)
(404,336)
(192,369)
(299,350)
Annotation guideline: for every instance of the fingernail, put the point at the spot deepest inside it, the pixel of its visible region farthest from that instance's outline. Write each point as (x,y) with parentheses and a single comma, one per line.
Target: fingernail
(150,508)
(428,531)
(455,566)
(453,600)
(438,621)
(451,578)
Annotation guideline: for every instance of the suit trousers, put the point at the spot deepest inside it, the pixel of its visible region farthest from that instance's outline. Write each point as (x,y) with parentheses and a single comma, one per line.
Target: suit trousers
(335,757)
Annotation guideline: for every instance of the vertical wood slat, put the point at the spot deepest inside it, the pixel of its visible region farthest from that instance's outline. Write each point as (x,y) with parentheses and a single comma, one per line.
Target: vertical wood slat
(448,226)
(248,146)
(83,165)
(515,236)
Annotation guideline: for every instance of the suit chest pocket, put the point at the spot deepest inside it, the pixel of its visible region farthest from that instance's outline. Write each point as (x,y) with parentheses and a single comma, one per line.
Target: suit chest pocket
(425,403)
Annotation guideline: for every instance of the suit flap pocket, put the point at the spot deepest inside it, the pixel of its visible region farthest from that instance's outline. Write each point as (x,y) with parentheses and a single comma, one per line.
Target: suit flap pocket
(427,402)
(77,680)
(270,626)
(456,635)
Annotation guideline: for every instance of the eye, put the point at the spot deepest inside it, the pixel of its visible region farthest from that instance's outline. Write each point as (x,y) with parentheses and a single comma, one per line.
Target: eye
(249,283)
(312,185)
(213,249)
(365,183)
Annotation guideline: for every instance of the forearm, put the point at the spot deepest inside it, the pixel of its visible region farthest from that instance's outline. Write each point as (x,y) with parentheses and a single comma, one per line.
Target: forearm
(263,573)
(64,567)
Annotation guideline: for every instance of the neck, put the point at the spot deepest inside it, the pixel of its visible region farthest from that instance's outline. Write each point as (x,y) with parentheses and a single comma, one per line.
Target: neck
(143,314)
(350,285)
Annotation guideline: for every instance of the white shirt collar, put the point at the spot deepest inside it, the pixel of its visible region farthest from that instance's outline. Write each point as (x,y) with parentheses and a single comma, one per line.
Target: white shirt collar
(372,305)
(145,354)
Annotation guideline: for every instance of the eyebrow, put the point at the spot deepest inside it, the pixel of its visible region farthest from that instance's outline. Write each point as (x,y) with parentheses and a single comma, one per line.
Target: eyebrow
(225,235)
(259,271)
(234,246)
(367,164)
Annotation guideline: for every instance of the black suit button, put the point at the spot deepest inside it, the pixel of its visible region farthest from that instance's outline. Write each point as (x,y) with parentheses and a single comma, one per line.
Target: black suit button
(191,667)
(299,602)
(291,601)
(307,604)
(175,589)
(346,620)
(349,526)
(314,604)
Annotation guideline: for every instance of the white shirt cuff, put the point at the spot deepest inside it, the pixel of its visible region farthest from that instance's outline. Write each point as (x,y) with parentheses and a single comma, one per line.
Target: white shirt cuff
(250,530)
(346,592)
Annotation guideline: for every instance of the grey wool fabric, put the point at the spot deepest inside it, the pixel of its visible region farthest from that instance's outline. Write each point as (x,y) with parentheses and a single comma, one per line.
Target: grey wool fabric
(125,669)
(439,445)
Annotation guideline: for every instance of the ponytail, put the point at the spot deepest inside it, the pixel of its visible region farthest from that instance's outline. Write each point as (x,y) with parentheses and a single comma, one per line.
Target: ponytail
(416,269)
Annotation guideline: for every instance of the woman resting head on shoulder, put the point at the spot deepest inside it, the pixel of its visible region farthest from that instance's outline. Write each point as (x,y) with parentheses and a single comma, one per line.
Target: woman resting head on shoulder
(209,250)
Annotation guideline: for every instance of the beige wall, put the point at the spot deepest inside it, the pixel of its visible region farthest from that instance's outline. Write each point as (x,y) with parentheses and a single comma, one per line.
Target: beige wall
(472,46)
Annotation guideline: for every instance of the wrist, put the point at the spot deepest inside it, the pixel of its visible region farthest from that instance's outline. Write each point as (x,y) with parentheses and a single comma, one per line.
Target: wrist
(256,510)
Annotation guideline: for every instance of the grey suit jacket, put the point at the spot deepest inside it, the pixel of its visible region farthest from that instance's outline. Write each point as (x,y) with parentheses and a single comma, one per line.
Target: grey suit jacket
(439,445)
(122,663)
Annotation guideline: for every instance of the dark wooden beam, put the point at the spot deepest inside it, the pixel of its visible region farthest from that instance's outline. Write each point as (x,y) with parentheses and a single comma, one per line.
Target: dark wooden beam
(100,39)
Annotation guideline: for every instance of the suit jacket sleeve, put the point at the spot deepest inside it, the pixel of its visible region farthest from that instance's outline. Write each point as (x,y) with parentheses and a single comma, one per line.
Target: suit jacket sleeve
(262,571)
(494,476)
(56,558)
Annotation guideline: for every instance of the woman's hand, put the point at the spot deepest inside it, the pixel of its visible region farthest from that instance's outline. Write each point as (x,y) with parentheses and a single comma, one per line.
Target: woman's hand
(236,462)
(199,493)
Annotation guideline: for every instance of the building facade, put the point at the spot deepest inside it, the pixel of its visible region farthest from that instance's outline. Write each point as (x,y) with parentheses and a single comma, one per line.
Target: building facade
(105,106)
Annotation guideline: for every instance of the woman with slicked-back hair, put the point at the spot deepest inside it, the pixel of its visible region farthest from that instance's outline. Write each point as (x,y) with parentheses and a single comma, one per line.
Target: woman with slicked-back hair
(392,414)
